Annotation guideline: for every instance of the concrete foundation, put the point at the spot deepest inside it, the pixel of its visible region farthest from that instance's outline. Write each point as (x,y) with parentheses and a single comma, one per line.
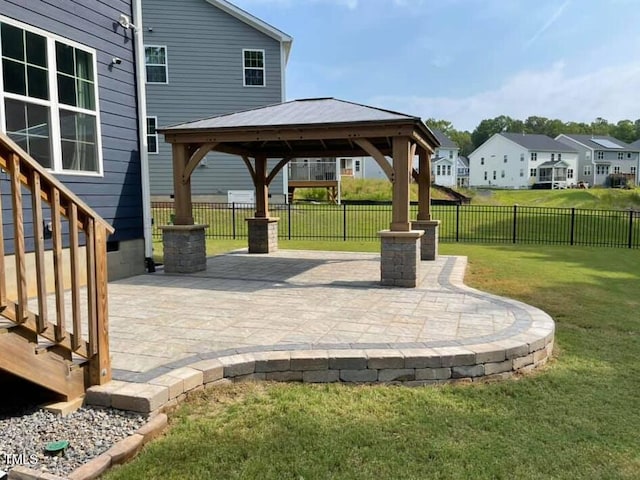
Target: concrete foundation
(263,235)
(429,241)
(400,258)
(184,248)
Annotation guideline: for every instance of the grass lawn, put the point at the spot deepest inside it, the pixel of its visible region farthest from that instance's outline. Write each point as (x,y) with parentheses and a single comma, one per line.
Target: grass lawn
(577,419)
(597,198)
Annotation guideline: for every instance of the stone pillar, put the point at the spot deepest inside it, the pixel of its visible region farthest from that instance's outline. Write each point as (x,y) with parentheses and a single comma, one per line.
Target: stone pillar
(400,258)
(184,248)
(429,241)
(263,234)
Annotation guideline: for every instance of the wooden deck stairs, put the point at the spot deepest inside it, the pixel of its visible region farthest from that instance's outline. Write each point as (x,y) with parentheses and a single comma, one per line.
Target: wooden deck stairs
(53,292)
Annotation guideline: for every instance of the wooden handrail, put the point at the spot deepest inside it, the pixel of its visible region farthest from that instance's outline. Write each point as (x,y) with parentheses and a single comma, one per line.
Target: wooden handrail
(66,210)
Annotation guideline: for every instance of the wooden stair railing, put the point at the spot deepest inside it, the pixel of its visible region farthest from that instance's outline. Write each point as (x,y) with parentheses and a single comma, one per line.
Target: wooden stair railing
(65,210)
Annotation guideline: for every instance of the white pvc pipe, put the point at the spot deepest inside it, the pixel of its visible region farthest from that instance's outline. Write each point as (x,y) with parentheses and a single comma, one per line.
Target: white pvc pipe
(141,81)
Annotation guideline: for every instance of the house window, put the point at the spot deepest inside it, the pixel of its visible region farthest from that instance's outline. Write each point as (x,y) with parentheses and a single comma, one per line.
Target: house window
(600,155)
(522,172)
(533,172)
(569,172)
(494,175)
(522,157)
(438,170)
(553,157)
(49,99)
(620,156)
(534,156)
(156,63)
(450,154)
(448,170)
(602,169)
(152,135)
(559,156)
(616,169)
(505,159)
(485,175)
(587,170)
(253,62)
(481,160)
(633,170)
(357,165)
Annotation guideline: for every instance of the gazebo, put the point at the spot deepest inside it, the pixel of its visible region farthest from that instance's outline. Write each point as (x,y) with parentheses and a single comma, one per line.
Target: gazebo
(320,127)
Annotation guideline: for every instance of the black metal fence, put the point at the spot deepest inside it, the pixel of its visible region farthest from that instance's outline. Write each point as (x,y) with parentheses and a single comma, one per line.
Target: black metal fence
(459,223)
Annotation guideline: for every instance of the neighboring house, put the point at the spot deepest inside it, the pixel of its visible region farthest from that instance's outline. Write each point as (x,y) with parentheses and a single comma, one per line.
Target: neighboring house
(444,164)
(69,100)
(463,172)
(603,160)
(519,160)
(205,58)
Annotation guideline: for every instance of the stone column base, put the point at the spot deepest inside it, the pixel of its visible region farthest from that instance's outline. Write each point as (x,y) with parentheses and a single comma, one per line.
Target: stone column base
(184,248)
(429,243)
(400,258)
(263,234)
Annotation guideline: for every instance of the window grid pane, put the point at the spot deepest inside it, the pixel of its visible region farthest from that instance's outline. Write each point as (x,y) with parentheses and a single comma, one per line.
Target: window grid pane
(253,63)
(156,64)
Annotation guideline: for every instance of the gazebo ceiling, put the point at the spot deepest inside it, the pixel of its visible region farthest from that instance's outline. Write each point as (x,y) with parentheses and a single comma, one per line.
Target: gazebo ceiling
(303,128)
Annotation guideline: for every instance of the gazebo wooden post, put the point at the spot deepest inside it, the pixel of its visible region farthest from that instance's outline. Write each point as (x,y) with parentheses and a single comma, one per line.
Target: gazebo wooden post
(400,246)
(263,229)
(429,242)
(183,242)
(262,190)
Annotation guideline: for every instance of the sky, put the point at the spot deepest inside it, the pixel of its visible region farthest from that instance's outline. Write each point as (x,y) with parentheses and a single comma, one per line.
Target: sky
(465,60)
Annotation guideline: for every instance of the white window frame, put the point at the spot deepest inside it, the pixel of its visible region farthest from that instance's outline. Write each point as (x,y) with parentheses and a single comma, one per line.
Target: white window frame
(264,68)
(155,119)
(620,155)
(633,170)
(587,170)
(534,156)
(506,157)
(600,155)
(569,172)
(52,104)
(481,160)
(533,172)
(165,64)
(616,169)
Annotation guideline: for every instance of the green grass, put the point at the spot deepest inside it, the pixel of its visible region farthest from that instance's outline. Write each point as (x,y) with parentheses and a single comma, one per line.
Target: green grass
(593,198)
(577,419)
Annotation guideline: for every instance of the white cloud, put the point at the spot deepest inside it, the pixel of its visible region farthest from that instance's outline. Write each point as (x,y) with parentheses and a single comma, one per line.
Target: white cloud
(611,93)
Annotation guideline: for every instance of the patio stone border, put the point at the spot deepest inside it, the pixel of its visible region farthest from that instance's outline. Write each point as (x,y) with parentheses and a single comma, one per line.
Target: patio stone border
(524,346)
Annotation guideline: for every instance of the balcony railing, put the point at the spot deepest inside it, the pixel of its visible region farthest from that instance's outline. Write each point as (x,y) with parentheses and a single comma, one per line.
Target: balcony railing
(312,170)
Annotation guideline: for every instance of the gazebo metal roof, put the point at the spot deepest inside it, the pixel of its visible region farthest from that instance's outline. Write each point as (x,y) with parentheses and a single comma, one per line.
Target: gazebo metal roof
(303,128)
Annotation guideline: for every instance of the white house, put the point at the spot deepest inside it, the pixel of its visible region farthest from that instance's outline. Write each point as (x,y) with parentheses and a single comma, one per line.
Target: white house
(463,172)
(520,160)
(603,160)
(444,165)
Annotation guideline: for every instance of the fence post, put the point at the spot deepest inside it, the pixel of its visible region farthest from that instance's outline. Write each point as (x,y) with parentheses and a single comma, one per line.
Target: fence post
(515,224)
(289,220)
(573,225)
(233,216)
(457,222)
(631,228)
(344,222)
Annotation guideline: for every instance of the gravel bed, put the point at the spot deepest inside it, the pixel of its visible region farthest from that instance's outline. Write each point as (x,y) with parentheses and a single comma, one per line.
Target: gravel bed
(90,432)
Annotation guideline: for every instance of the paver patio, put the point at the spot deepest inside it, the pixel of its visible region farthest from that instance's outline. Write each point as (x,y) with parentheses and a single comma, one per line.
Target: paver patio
(304,300)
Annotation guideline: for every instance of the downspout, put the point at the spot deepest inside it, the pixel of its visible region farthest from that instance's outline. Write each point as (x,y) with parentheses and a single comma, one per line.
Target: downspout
(142,134)
(284,57)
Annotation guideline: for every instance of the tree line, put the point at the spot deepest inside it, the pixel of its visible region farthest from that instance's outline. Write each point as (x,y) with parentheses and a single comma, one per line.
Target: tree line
(626,130)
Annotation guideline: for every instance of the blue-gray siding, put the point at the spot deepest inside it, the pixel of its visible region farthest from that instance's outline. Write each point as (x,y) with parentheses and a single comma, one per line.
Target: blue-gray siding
(205,72)
(116,196)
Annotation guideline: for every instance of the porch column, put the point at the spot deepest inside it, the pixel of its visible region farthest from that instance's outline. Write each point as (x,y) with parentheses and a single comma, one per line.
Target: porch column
(262,229)
(183,242)
(400,246)
(429,241)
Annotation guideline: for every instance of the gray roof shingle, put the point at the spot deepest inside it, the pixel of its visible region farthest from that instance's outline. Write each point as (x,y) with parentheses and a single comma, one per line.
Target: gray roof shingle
(635,145)
(445,142)
(305,112)
(532,141)
(588,140)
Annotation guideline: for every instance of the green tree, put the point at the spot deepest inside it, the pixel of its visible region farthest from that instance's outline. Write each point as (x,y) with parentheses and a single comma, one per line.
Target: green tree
(463,140)
(624,130)
(489,127)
